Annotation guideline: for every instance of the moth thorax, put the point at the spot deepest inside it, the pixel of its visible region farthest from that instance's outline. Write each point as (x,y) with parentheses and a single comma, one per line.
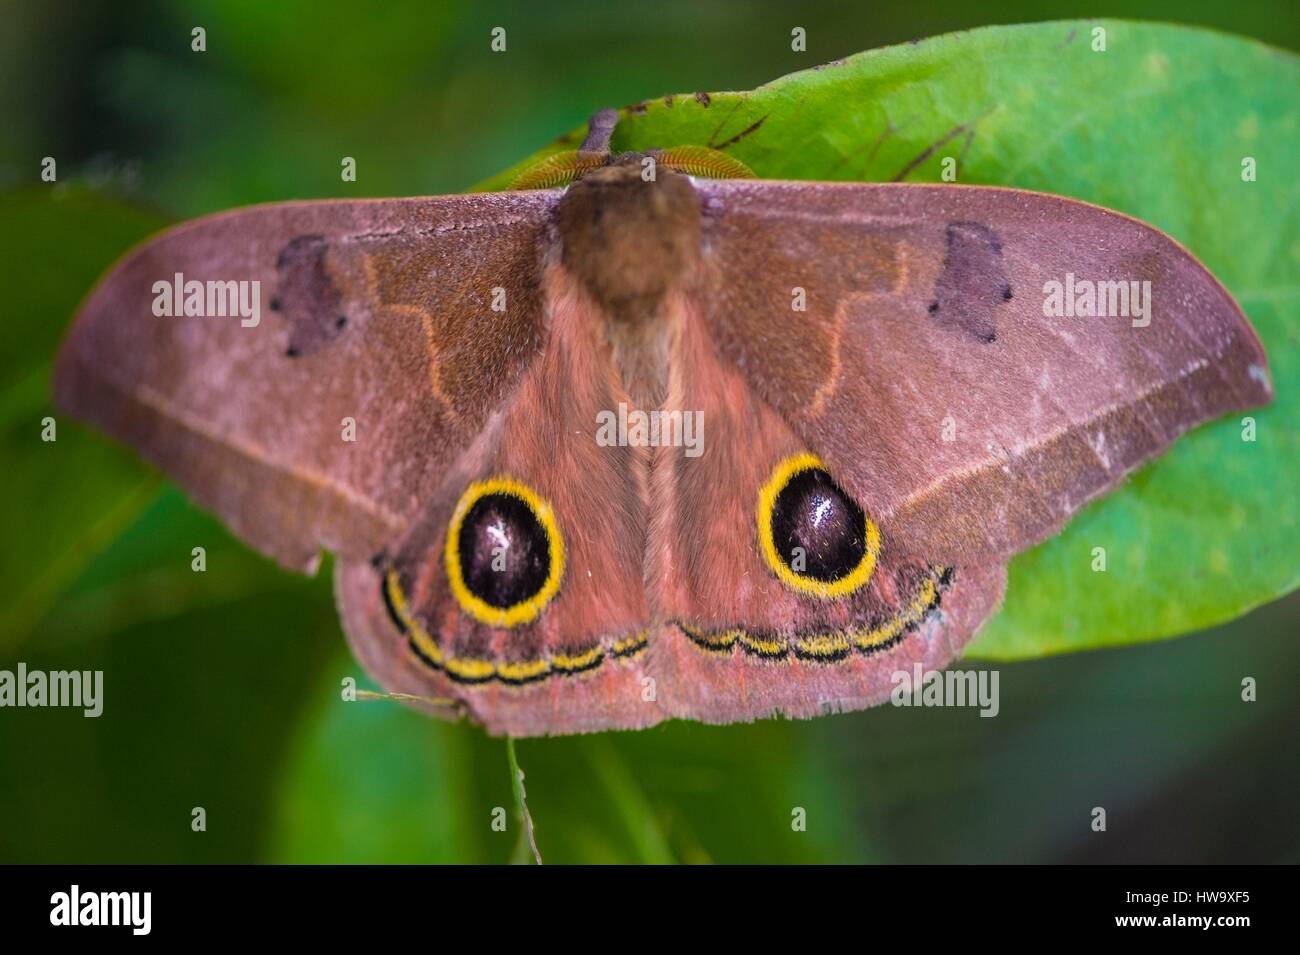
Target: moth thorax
(629,232)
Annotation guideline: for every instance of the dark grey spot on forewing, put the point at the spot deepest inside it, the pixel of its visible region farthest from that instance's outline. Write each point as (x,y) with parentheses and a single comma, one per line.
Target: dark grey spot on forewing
(306,296)
(973,282)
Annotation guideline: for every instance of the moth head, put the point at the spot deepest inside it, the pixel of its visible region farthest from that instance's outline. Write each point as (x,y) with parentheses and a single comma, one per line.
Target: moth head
(504,553)
(813,536)
(627,236)
(629,222)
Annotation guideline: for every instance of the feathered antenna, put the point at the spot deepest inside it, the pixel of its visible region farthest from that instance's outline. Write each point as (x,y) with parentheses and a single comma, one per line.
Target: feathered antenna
(558,170)
(563,168)
(703,161)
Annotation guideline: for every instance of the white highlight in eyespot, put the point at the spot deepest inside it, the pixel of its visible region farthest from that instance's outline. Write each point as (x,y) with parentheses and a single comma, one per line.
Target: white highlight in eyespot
(820,510)
(497,532)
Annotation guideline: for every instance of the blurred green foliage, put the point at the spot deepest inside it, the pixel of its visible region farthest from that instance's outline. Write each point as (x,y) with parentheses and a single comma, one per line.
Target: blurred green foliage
(222,689)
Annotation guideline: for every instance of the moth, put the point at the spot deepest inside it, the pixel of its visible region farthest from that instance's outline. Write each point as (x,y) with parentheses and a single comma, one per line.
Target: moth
(891,399)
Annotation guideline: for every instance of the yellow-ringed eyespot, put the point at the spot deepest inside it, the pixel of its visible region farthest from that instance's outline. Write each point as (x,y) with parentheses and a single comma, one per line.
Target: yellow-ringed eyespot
(812,535)
(504,552)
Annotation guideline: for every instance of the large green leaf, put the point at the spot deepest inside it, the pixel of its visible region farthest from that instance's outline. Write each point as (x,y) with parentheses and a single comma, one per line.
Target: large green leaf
(203,672)
(374,781)
(1155,125)
(65,499)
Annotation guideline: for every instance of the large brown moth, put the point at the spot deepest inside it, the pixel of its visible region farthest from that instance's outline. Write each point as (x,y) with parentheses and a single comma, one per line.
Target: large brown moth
(894,406)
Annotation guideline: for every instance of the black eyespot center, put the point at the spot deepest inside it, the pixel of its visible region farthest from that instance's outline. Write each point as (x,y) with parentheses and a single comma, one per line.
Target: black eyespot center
(504,550)
(818,530)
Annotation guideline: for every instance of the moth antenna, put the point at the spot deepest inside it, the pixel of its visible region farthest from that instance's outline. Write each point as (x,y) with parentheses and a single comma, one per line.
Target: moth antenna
(559,169)
(407,698)
(600,128)
(703,161)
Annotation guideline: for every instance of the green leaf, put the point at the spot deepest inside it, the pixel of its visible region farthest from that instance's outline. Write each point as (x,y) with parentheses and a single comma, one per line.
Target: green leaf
(1157,126)
(372,781)
(88,490)
(98,575)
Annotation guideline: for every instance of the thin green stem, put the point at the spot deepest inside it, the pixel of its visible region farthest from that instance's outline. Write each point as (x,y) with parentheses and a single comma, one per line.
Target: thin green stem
(528,838)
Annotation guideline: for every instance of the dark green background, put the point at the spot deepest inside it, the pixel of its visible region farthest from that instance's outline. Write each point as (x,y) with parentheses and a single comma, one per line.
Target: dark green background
(222,688)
